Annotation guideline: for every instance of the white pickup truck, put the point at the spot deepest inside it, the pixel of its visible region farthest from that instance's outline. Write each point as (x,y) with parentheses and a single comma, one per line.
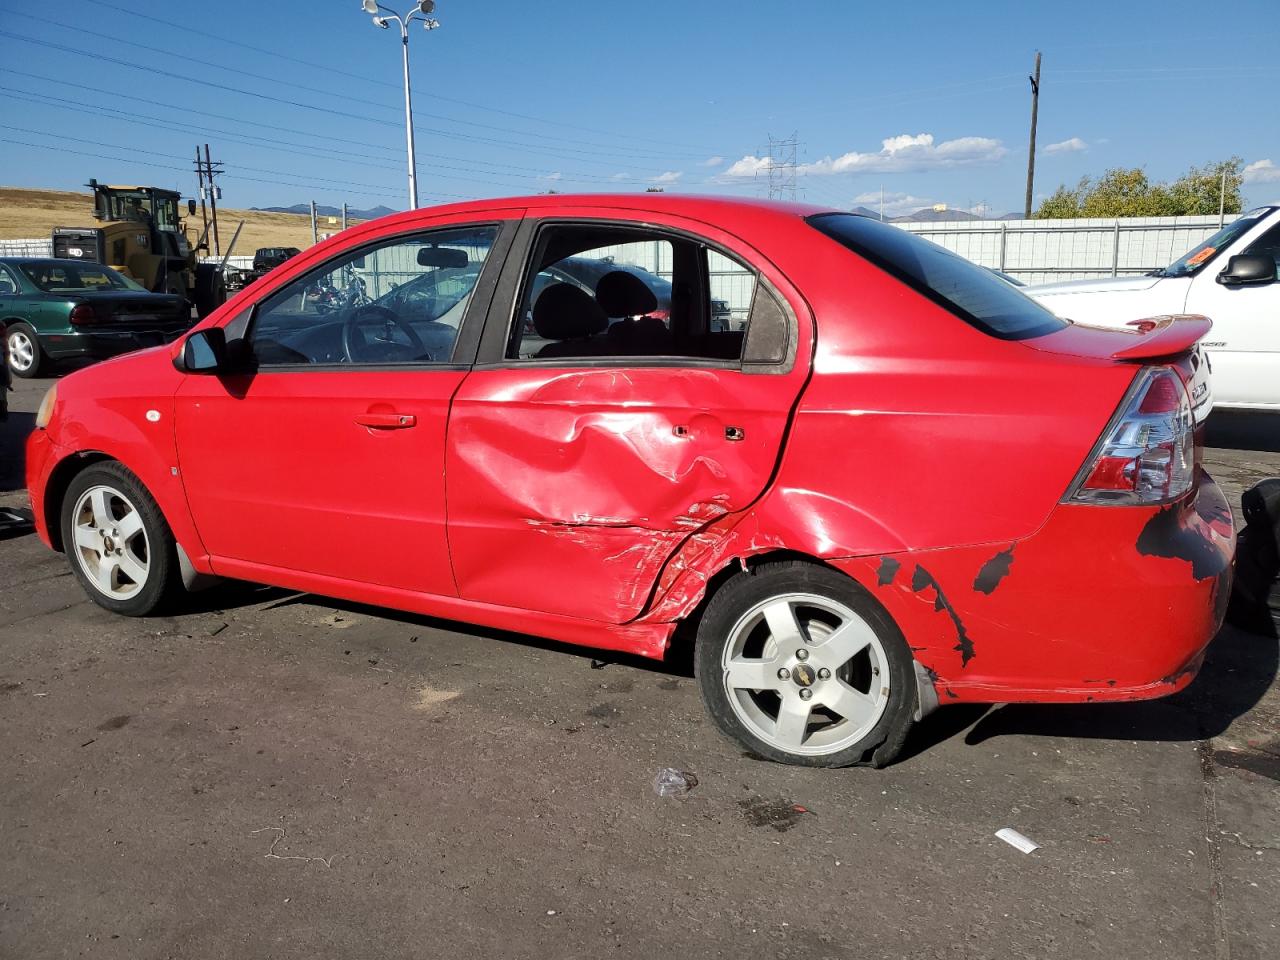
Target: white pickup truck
(1233,278)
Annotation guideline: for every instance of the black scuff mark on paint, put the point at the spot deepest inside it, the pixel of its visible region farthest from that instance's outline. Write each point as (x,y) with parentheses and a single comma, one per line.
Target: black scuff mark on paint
(951,693)
(993,571)
(1163,536)
(889,568)
(922,579)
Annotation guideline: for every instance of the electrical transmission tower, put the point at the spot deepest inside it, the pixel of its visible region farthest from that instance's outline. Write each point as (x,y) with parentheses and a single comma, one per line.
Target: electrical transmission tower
(782,168)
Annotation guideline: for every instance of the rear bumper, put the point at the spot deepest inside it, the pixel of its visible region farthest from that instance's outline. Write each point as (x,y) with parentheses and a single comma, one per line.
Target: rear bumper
(101,344)
(1102,603)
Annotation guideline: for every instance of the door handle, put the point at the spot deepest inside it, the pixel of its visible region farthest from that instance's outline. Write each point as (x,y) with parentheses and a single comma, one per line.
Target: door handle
(387,421)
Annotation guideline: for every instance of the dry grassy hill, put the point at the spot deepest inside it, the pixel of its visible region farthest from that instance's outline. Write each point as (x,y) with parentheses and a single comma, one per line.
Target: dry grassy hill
(34,213)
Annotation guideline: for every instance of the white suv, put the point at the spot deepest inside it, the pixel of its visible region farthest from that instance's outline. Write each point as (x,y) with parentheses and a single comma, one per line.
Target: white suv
(1231,278)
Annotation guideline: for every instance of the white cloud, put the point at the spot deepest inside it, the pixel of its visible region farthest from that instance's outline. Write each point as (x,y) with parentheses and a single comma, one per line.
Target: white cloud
(670,176)
(712,162)
(901,154)
(895,204)
(748,166)
(1262,171)
(620,176)
(551,176)
(1074,145)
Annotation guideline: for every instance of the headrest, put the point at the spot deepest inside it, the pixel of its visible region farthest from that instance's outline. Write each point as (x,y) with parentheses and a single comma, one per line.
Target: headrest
(622,294)
(566,312)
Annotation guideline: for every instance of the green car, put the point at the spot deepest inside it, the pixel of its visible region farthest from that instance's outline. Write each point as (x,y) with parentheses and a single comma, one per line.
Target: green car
(60,309)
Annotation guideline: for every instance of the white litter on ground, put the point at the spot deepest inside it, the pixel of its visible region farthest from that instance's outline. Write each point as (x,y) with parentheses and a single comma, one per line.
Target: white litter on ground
(1017,840)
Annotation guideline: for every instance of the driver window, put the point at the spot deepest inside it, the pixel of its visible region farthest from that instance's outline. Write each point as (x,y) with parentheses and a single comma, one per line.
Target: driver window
(400,302)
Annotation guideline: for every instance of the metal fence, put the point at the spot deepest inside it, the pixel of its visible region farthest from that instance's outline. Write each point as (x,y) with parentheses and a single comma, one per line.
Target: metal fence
(1047,251)
(26,248)
(1034,251)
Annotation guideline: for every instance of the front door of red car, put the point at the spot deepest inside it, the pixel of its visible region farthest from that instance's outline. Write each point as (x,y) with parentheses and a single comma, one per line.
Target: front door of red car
(324,455)
(607,419)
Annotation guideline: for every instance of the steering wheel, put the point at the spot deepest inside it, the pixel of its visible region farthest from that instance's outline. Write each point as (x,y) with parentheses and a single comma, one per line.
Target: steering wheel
(370,314)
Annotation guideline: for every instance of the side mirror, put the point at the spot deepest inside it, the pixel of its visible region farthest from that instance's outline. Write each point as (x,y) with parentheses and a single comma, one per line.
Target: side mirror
(205,351)
(191,208)
(1248,269)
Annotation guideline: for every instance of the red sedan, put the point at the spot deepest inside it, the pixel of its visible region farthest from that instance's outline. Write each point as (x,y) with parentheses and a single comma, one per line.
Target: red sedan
(899,482)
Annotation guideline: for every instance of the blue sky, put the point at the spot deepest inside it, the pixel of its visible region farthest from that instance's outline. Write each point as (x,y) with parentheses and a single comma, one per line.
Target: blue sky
(926,101)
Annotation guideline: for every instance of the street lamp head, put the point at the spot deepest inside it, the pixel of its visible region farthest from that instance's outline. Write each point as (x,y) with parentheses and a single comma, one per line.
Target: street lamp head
(370,6)
(426,6)
(381,22)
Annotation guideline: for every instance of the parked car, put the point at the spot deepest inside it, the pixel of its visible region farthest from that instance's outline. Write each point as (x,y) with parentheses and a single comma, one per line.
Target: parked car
(58,309)
(879,496)
(6,378)
(1231,278)
(268,258)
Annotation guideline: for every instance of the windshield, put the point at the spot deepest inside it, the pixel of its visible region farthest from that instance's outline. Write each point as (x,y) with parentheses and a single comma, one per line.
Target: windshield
(62,277)
(433,295)
(971,292)
(1188,264)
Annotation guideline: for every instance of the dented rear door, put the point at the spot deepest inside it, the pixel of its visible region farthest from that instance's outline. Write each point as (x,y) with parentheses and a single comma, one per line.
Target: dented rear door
(570,483)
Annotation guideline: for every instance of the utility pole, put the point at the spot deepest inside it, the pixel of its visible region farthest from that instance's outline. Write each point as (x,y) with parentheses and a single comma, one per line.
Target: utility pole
(344,214)
(204,216)
(882,203)
(1031,153)
(1222,199)
(315,236)
(213,197)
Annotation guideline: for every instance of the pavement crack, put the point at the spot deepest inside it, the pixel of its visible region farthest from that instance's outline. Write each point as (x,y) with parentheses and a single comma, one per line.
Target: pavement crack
(1212,831)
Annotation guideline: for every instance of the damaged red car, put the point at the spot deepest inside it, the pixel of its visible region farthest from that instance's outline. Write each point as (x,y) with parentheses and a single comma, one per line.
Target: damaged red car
(893,481)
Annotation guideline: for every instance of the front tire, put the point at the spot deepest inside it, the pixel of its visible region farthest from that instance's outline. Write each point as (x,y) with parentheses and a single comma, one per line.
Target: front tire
(117,541)
(26,359)
(799,665)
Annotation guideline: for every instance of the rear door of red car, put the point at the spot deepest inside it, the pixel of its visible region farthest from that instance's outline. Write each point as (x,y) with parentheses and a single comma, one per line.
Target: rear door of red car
(571,480)
(314,461)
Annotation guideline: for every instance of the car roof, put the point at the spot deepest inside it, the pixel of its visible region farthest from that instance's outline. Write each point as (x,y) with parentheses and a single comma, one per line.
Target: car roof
(713,209)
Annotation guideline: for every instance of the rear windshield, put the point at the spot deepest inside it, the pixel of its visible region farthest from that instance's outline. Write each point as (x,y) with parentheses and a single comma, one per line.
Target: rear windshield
(971,292)
(63,277)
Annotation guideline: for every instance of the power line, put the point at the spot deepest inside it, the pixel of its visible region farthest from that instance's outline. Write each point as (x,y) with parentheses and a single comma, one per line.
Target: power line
(306,150)
(276,82)
(187,30)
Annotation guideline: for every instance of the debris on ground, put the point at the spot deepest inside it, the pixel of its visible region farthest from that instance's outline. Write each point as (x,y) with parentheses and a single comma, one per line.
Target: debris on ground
(673,783)
(1017,840)
(777,814)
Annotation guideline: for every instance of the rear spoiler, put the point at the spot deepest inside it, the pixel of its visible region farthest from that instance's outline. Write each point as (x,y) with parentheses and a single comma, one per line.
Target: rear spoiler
(1164,336)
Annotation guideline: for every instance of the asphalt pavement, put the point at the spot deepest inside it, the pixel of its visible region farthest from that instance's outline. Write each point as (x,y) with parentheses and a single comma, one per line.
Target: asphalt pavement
(269,774)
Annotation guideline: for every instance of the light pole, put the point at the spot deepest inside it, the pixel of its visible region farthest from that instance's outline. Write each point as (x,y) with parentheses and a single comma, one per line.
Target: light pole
(382,17)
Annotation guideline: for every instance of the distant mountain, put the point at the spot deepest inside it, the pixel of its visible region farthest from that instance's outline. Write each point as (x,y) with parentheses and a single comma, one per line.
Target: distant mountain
(327,211)
(864,212)
(929,215)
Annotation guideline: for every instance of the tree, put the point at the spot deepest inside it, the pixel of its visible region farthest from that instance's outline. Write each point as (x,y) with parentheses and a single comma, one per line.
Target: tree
(1121,192)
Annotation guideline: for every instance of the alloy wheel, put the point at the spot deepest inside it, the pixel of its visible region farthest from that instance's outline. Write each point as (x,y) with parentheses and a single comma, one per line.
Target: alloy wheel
(111,543)
(22,352)
(805,674)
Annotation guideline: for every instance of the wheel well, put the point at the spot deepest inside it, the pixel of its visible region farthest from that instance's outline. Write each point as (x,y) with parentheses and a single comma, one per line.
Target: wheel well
(680,649)
(56,489)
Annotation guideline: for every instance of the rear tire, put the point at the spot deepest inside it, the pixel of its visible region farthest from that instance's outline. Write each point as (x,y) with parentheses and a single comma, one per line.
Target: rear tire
(211,289)
(26,359)
(799,665)
(118,543)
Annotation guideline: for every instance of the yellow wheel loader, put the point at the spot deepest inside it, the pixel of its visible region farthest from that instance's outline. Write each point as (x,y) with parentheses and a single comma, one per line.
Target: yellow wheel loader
(139,233)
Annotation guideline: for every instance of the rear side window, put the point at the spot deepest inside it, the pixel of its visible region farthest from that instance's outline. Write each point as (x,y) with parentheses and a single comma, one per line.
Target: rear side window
(969,291)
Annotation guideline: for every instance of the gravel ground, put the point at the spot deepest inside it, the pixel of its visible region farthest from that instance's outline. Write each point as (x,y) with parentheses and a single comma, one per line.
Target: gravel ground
(278,775)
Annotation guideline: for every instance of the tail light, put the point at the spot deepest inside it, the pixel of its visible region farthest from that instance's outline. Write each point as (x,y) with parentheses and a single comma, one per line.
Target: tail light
(1147,455)
(81,314)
